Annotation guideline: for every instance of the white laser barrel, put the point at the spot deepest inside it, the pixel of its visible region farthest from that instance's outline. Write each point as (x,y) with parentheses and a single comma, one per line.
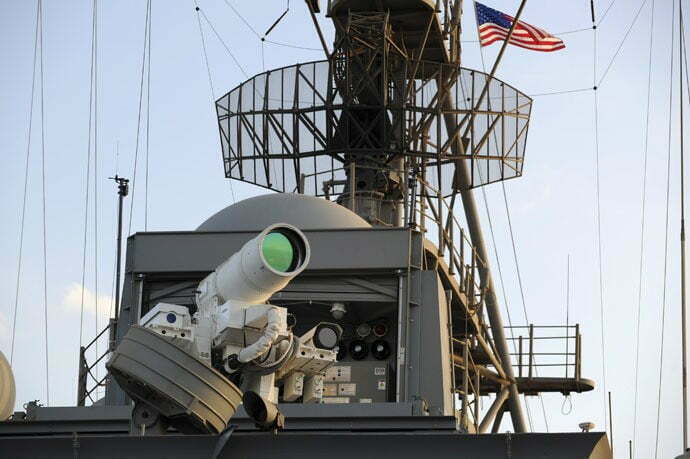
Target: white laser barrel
(263,266)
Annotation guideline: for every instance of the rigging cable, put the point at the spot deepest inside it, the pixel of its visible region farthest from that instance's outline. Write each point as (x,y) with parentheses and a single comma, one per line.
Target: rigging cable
(505,299)
(95,178)
(498,266)
(203,47)
(555,93)
(289,45)
(682,229)
(642,223)
(620,46)
(88,173)
(43,190)
(111,310)
(208,72)
(598,225)
(24,199)
(611,62)
(208,21)
(503,289)
(275,23)
(606,12)
(141,97)
(266,40)
(148,118)
(668,192)
(522,291)
(242,19)
(567,400)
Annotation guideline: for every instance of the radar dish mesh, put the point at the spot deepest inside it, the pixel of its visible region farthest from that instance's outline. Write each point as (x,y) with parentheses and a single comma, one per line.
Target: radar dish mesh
(289,127)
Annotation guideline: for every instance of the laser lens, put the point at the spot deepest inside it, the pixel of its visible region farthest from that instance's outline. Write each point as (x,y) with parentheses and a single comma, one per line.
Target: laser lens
(278,251)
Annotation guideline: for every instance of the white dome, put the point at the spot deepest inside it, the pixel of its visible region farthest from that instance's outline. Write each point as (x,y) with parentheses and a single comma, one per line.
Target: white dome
(304,212)
(7,388)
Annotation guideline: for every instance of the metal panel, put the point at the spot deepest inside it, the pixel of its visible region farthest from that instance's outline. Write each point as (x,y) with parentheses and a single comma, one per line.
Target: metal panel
(429,367)
(332,250)
(298,445)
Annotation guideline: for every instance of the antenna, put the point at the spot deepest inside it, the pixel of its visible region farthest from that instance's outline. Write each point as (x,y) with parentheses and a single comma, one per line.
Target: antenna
(682,238)
(122,191)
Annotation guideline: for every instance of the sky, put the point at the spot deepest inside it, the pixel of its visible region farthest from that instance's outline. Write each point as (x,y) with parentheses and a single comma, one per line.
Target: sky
(553,207)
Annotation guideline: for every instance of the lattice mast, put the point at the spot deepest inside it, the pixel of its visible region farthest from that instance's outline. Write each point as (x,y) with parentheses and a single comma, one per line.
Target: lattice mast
(375,126)
(392,127)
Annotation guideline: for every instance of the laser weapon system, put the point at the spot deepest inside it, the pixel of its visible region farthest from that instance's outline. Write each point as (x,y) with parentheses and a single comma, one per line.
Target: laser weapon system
(234,339)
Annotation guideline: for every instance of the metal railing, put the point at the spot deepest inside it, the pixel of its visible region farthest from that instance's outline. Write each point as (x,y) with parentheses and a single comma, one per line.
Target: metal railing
(469,386)
(538,348)
(86,374)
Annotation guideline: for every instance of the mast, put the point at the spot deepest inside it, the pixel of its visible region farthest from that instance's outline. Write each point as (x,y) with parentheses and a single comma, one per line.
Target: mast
(392,127)
(474,226)
(122,191)
(682,241)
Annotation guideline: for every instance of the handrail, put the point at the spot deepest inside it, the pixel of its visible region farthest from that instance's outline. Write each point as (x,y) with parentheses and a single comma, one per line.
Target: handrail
(83,392)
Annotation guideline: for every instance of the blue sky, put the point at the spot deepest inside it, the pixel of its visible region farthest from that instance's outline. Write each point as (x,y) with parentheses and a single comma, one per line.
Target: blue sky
(552,206)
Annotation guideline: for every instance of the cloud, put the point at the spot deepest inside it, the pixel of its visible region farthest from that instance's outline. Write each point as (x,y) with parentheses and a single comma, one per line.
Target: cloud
(4,332)
(76,295)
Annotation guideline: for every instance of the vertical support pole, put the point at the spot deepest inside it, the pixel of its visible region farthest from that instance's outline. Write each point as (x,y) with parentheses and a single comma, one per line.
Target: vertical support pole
(611,423)
(682,240)
(318,29)
(301,184)
(353,185)
(477,391)
(451,350)
(403,309)
(531,350)
(577,352)
(441,234)
(498,420)
(462,249)
(520,357)
(462,178)
(122,191)
(567,318)
(81,383)
(465,381)
(494,409)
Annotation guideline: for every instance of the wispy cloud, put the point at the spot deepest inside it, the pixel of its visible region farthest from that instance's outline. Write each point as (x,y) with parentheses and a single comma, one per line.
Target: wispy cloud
(76,295)
(4,331)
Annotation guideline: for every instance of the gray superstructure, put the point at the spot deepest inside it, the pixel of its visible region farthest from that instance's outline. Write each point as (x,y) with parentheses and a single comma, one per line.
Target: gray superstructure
(371,151)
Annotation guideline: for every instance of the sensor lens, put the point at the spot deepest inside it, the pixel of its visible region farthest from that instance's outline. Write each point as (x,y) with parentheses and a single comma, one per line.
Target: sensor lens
(278,251)
(327,337)
(358,349)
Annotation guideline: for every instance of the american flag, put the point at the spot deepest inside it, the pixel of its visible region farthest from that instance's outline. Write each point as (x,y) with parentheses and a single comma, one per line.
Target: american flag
(494,25)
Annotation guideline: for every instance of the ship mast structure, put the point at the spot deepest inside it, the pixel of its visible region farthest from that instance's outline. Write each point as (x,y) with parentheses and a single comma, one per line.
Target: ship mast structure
(392,127)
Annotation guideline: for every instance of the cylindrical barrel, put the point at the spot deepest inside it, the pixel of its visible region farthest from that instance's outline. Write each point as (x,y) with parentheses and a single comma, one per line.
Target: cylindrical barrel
(263,266)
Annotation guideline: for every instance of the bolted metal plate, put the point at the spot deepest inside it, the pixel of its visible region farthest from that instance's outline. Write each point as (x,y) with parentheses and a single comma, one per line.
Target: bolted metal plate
(154,371)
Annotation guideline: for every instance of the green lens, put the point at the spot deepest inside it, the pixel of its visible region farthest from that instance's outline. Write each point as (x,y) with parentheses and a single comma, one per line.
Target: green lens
(278,251)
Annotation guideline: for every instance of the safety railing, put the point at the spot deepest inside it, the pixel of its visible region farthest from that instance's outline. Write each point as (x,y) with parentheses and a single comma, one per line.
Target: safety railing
(555,350)
(88,383)
(469,386)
